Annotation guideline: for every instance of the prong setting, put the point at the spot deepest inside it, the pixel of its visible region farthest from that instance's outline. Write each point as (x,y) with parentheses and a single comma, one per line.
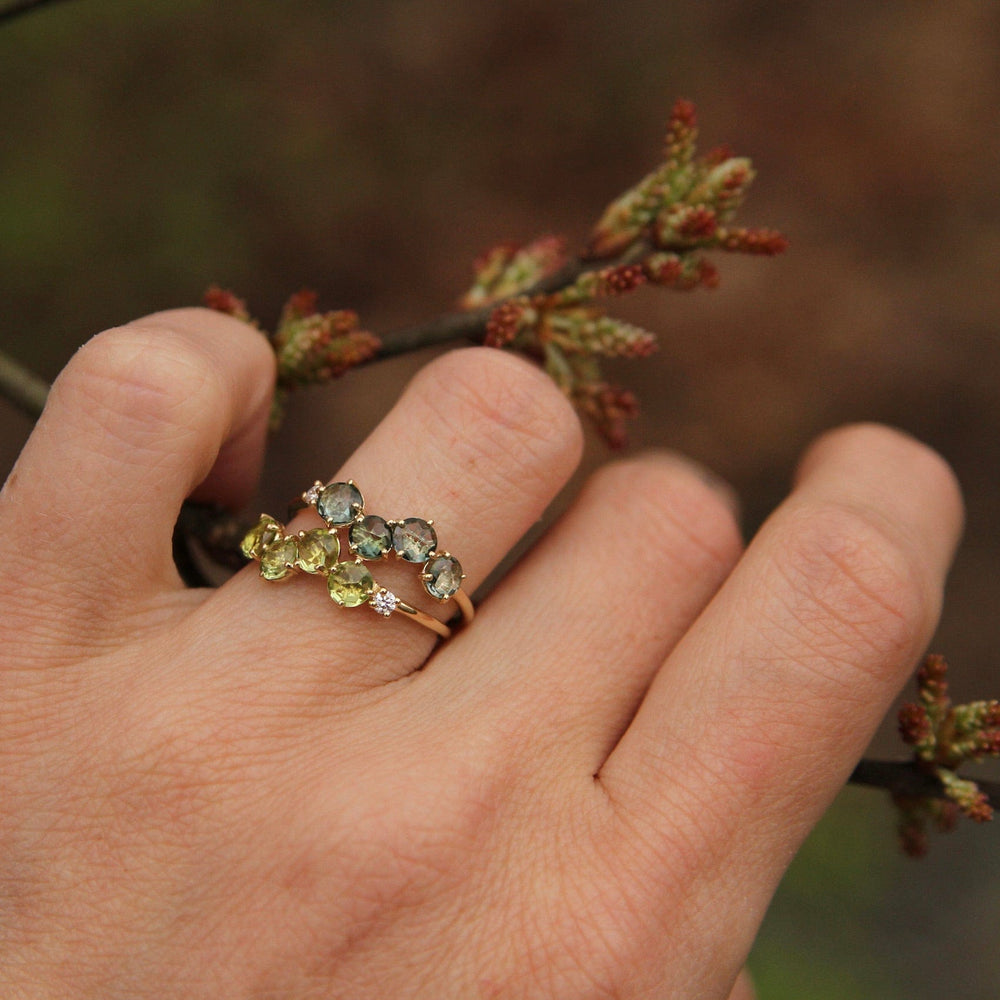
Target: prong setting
(369,538)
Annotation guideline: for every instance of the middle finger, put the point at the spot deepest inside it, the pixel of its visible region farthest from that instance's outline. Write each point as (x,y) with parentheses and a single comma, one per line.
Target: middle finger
(583,623)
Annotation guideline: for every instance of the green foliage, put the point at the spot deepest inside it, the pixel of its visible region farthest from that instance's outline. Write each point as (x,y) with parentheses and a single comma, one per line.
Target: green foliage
(817,941)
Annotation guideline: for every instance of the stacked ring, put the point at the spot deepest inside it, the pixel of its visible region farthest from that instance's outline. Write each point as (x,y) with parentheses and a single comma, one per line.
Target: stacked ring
(369,537)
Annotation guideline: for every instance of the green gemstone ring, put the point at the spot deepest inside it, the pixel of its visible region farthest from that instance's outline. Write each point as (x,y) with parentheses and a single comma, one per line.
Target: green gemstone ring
(318,551)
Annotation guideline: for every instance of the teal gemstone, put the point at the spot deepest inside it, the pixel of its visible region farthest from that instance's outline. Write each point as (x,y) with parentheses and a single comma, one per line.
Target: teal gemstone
(371,537)
(443,577)
(414,539)
(339,503)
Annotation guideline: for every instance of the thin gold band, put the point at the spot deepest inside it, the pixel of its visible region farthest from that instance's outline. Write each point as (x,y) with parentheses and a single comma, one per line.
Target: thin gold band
(435,624)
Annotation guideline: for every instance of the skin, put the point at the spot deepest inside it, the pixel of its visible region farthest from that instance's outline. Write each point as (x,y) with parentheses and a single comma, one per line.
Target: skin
(591,792)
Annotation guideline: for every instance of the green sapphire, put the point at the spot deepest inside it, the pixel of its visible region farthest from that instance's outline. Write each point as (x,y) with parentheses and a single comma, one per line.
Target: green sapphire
(371,537)
(443,577)
(339,503)
(414,539)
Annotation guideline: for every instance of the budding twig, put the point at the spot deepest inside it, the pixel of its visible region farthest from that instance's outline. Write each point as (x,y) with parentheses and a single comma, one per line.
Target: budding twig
(471,325)
(908,779)
(12,10)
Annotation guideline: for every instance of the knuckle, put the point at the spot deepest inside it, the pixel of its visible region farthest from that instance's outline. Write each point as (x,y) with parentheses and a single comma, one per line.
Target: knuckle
(144,374)
(684,519)
(855,584)
(496,405)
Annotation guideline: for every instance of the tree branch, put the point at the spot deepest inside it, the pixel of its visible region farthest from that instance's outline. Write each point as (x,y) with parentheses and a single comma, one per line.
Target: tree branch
(471,324)
(909,779)
(27,391)
(22,387)
(440,330)
(13,10)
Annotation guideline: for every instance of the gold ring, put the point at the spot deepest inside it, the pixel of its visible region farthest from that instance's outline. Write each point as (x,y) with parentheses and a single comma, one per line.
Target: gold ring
(369,538)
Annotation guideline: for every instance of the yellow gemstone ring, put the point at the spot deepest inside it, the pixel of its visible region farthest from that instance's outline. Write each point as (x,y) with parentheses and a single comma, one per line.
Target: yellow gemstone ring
(369,537)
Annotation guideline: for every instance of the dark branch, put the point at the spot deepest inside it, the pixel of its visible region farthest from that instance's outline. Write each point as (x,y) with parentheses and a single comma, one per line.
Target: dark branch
(472,325)
(909,779)
(28,391)
(23,388)
(12,10)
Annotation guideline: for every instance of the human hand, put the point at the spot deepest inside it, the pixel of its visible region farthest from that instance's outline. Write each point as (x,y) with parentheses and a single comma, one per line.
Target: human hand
(591,791)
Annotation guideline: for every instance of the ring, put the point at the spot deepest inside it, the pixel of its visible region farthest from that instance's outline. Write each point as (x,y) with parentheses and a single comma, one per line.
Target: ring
(369,538)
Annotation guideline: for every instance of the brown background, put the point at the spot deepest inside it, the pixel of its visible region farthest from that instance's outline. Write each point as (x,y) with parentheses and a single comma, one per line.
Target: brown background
(370,150)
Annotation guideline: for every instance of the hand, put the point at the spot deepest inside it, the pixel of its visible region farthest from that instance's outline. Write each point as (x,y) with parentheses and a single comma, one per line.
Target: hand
(591,791)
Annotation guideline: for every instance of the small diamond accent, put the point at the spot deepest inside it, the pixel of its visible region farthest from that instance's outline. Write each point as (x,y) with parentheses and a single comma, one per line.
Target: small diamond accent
(384,602)
(311,495)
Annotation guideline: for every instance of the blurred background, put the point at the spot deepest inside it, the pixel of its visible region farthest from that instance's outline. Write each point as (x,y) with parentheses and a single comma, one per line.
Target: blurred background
(371,149)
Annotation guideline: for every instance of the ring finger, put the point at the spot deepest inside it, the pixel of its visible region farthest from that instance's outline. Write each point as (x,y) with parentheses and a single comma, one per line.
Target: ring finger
(480,442)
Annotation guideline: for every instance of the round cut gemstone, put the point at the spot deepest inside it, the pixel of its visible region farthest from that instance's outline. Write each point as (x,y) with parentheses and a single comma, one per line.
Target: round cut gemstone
(350,584)
(384,602)
(414,539)
(339,503)
(277,560)
(311,495)
(260,536)
(319,549)
(443,577)
(371,537)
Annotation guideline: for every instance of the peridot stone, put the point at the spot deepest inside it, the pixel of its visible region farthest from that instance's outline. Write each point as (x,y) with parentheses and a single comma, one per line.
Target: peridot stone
(264,533)
(350,584)
(319,550)
(277,560)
